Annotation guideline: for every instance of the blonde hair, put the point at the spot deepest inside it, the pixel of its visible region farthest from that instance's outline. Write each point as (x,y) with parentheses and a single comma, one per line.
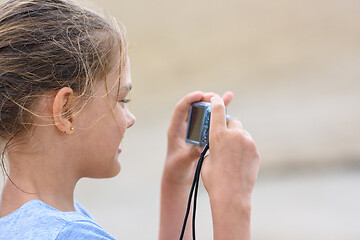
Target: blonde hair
(45,46)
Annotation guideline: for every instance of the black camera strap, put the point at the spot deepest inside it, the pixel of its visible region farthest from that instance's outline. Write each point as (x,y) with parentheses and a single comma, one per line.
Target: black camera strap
(194,186)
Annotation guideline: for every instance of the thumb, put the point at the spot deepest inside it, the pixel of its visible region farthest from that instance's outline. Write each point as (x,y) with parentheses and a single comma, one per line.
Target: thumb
(218,116)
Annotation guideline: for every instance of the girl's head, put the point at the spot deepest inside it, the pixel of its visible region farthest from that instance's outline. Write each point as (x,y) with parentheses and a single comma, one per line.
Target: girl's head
(63,70)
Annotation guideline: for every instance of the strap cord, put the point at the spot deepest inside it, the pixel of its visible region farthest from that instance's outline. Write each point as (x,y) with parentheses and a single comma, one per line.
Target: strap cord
(194,186)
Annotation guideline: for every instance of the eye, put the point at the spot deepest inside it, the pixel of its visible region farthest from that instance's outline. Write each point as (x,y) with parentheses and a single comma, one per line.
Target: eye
(125,100)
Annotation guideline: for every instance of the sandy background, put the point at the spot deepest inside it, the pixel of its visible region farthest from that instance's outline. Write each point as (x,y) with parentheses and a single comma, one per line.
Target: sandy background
(294,69)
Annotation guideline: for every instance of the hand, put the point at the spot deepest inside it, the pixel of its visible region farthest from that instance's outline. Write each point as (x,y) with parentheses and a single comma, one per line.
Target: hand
(179,168)
(181,156)
(231,168)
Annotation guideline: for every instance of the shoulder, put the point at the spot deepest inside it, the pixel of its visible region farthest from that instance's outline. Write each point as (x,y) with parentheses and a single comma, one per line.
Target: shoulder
(83,230)
(37,220)
(80,209)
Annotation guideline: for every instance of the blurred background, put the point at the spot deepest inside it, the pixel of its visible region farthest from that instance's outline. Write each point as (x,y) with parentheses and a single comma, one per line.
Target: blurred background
(294,67)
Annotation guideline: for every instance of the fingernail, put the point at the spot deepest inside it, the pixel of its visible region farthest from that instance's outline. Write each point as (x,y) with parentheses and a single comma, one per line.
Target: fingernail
(215,98)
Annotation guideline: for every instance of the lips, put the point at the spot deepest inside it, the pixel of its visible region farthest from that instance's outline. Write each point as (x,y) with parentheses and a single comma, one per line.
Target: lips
(119,150)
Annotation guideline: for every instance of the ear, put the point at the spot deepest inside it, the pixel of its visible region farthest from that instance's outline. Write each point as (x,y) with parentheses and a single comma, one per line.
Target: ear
(62,110)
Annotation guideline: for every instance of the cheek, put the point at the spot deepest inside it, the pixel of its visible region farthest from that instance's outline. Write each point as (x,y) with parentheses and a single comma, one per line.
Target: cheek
(108,130)
(120,119)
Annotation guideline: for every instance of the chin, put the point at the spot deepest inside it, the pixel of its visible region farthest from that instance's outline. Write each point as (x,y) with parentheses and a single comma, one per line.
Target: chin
(115,169)
(110,171)
(108,174)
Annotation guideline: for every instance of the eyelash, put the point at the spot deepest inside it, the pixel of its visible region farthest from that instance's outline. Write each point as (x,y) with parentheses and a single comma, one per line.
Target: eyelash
(125,100)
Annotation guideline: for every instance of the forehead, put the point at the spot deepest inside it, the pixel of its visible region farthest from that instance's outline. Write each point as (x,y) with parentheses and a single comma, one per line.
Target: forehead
(125,77)
(119,77)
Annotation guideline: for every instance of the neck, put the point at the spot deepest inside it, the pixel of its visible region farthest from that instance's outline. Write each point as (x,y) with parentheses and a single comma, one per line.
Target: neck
(50,181)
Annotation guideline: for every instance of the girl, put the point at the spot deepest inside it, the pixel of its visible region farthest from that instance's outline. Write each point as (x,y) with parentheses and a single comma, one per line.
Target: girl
(64,81)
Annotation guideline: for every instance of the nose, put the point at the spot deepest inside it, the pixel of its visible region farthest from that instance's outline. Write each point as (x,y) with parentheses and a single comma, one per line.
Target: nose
(131,120)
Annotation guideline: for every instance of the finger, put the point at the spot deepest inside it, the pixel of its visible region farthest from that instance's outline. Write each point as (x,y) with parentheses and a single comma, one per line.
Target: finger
(207,96)
(233,123)
(246,133)
(218,116)
(228,97)
(183,107)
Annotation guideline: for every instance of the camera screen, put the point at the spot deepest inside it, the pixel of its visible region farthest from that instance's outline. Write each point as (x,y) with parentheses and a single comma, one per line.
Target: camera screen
(195,123)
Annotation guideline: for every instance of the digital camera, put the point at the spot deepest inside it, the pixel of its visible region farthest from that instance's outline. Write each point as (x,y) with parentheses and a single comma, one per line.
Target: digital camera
(199,123)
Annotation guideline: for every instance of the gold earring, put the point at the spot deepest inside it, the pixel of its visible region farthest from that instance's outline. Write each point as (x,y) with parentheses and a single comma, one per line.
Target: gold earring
(71,129)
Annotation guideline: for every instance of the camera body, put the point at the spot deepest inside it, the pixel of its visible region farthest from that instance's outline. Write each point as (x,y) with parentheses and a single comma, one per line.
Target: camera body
(199,123)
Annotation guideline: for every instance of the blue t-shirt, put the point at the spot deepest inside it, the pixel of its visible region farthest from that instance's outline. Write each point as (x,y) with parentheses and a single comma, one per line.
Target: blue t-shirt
(37,220)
